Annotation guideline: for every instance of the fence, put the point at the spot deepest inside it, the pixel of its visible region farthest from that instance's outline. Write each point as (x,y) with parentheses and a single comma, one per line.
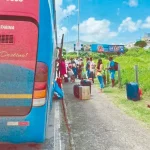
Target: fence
(125,74)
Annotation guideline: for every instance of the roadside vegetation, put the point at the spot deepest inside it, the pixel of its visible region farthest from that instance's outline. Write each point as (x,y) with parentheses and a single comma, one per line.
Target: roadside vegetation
(127,61)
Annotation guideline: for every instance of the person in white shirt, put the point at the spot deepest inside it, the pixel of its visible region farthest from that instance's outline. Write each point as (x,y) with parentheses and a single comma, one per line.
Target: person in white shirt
(77,61)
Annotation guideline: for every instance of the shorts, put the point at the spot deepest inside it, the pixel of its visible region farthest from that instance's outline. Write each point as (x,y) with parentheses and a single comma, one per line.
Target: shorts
(70,73)
(112,75)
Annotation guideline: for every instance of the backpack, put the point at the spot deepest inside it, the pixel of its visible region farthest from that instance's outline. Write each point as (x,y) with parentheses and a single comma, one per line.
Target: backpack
(115,66)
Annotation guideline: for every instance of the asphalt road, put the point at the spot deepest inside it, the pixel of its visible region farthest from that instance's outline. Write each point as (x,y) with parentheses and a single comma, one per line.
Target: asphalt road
(49,143)
(97,124)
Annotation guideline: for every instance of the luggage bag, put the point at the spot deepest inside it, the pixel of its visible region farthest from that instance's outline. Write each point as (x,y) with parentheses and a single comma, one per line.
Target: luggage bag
(84,92)
(132,90)
(76,90)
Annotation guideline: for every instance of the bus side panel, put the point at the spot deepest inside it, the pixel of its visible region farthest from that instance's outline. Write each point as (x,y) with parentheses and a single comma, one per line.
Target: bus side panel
(46,48)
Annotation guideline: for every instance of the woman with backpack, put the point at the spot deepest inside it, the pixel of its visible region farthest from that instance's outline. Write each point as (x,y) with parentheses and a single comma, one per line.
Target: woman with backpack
(112,69)
(100,74)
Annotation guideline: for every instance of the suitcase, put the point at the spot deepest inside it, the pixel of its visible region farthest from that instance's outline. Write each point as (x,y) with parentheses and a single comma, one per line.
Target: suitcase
(84,92)
(132,90)
(76,90)
(86,83)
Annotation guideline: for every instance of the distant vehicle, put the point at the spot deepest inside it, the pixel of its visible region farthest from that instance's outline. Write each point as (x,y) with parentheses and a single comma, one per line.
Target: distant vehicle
(27,57)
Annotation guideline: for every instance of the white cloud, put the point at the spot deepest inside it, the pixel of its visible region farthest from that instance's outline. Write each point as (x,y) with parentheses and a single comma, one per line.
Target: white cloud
(146,24)
(132,3)
(118,11)
(62,13)
(70,10)
(61,31)
(129,25)
(95,30)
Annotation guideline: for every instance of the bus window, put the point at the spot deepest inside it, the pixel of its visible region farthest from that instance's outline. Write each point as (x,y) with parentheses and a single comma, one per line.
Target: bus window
(18,50)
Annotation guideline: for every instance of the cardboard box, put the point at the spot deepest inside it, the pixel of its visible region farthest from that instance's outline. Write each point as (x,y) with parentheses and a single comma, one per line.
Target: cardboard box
(84,92)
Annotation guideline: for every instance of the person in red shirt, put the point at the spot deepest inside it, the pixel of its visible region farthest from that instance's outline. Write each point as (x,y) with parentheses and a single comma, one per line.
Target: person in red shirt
(62,68)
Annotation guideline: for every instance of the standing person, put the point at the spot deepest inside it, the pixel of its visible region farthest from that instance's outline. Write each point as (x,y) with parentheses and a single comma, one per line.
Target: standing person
(77,61)
(74,68)
(80,72)
(112,70)
(100,74)
(62,68)
(87,68)
(77,66)
(83,75)
(70,74)
(92,69)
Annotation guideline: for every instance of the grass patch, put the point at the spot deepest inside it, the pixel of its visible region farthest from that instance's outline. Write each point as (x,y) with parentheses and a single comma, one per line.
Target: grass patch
(135,109)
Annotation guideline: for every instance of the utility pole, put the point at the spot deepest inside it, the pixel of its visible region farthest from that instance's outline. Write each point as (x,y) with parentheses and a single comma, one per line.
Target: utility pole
(78,25)
(67,34)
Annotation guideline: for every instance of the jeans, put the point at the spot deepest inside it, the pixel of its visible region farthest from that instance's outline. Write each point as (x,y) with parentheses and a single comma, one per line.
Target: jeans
(75,72)
(100,79)
(88,73)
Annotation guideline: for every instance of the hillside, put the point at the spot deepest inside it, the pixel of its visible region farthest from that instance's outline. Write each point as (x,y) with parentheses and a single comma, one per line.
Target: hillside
(69,46)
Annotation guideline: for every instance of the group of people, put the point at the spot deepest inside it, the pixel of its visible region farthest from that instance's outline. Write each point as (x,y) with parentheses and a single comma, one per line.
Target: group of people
(100,72)
(74,68)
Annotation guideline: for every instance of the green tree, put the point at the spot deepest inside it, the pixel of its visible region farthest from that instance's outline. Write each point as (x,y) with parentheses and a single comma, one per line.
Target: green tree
(140,44)
(64,52)
(125,49)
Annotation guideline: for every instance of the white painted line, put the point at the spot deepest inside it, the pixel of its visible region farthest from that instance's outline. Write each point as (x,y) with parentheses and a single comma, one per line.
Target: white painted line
(57,137)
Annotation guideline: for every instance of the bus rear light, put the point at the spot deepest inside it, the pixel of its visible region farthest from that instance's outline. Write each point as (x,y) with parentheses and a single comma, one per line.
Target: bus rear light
(41,68)
(40,77)
(39,102)
(39,94)
(40,85)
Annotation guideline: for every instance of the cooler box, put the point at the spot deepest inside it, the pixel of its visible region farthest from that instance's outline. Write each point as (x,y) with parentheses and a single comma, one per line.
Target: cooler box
(132,90)
(84,92)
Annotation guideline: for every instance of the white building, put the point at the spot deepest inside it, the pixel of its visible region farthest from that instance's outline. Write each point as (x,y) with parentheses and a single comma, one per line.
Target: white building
(146,38)
(130,45)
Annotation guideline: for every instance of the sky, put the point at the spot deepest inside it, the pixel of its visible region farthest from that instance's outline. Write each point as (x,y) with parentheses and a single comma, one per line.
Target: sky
(103,21)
